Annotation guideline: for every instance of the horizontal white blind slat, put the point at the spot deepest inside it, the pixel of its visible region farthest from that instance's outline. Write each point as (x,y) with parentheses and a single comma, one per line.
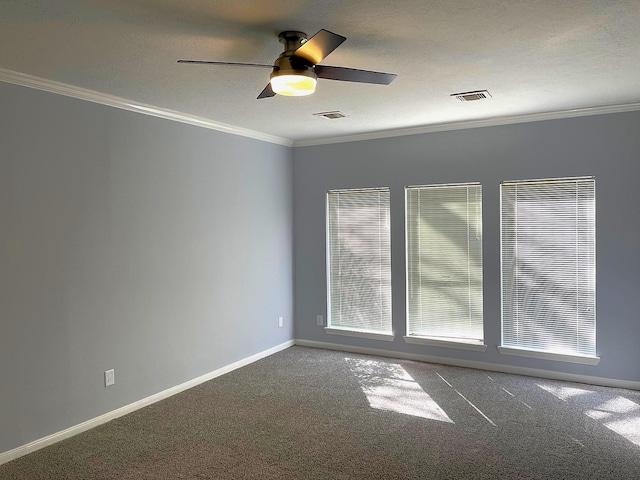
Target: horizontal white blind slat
(548,265)
(444,261)
(359,262)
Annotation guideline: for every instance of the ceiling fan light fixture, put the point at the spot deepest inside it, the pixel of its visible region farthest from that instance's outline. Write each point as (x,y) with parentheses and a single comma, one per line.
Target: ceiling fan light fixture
(296,71)
(297,84)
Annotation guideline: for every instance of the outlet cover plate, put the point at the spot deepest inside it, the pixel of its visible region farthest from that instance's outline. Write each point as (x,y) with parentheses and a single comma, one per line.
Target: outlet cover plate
(109,378)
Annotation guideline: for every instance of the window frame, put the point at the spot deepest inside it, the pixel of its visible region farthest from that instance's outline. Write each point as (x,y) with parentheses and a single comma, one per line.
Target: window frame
(423,338)
(527,350)
(354,331)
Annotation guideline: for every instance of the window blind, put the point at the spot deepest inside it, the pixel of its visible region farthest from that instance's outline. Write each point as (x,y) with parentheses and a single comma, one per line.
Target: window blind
(548,265)
(444,261)
(359,260)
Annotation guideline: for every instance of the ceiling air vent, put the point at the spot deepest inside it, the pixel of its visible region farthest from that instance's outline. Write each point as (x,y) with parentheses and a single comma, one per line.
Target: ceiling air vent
(471,96)
(330,115)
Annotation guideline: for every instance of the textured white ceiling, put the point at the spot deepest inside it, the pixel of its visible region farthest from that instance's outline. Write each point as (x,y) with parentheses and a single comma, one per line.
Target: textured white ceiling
(534,56)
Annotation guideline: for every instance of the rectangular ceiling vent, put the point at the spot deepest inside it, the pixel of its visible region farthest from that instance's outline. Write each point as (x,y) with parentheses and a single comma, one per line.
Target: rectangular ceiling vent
(471,96)
(330,115)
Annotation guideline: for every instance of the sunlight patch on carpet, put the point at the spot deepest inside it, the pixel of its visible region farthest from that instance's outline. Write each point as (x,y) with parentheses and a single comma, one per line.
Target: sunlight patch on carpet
(617,413)
(564,393)
(388,386)
(468,401)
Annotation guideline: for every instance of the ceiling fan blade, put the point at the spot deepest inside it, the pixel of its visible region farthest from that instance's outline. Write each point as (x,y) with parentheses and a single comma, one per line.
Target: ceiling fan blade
(204,62)
(317,47)
(267,92)
(353,75)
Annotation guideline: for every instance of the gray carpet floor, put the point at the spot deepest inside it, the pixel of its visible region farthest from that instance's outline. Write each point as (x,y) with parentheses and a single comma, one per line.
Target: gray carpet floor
(315,414)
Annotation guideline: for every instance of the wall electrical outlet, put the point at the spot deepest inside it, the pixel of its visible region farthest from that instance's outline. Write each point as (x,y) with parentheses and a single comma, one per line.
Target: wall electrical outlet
(109,377)
(319,320)
(280,321)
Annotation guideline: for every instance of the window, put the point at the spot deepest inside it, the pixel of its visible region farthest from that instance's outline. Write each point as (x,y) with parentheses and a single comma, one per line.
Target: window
(359,263)
(548,269)
(444,265)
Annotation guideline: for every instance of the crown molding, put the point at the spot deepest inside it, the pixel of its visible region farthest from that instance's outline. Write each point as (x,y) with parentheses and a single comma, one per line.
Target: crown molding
(59,88)
(489,122)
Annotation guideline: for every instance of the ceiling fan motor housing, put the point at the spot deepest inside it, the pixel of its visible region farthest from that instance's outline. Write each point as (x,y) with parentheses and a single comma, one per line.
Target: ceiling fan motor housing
(292,40)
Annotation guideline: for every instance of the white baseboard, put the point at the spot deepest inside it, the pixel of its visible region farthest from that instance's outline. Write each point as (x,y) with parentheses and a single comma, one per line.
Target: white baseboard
(94,422)
(531,372)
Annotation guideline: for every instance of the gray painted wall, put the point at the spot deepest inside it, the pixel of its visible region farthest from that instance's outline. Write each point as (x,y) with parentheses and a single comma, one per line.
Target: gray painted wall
(159,249)
(606,146)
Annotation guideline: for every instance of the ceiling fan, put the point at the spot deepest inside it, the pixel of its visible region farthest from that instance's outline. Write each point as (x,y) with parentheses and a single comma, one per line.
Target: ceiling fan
(296,70)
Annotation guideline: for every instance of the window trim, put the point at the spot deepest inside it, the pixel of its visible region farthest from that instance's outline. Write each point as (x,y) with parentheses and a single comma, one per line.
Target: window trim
(441,342)
(362,333)
(451,342)
(528,351)
(343,330)
(561,357)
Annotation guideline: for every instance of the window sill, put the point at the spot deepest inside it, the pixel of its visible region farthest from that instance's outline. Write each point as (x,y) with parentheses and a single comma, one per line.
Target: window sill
(559,357)
(453,343)
(349,332)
